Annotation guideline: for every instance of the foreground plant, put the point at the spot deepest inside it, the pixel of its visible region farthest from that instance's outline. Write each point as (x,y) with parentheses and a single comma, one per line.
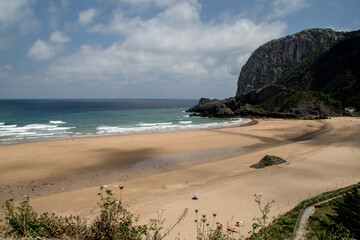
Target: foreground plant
(263,209)
(261,221)
(113,222)
(23,221)
(156,226)
(213,230)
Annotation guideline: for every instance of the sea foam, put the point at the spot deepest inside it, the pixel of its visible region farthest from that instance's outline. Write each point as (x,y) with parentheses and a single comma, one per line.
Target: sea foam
(185,122)
(32,131)
(56,122)
(168,126)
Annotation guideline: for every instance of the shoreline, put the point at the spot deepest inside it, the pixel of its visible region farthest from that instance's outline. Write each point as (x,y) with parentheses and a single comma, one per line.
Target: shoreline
(315,151)
(44,186)
(145,132)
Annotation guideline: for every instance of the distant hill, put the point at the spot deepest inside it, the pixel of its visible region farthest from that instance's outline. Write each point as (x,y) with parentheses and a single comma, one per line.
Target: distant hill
(311,74)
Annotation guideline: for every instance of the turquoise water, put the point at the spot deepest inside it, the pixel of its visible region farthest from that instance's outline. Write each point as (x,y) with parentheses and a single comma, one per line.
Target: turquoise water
(37,120)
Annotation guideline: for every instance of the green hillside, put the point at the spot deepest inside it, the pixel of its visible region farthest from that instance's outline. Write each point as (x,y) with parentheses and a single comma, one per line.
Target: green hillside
(335,72)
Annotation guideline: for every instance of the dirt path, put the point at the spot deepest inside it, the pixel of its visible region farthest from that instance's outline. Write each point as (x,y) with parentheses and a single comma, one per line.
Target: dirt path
(300,233)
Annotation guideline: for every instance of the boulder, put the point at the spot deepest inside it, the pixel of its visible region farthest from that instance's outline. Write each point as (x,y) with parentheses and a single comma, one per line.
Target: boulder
(268,160)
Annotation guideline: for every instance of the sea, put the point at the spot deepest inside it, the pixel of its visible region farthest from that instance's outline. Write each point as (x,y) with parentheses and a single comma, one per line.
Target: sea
(51,119)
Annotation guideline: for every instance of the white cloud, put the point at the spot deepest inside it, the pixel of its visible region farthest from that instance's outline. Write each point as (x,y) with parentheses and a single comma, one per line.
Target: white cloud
(64,3)
(17,12)
(5,42)
(8,67)
(59,37)
(282,8)
(210,61)
(10,11)
(42,50)
(158,3)
(173,45)
(87,16)
(4,70)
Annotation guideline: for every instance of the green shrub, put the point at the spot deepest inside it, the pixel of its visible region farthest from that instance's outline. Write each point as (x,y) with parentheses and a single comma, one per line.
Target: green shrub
(23,221)
(113,222)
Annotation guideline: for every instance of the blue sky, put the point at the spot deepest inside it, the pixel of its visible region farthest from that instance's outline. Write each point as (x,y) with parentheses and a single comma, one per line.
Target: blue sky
(146,48)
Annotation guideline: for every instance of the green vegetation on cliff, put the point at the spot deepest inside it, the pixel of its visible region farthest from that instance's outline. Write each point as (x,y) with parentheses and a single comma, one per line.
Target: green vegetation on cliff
(297,97)
(334,72)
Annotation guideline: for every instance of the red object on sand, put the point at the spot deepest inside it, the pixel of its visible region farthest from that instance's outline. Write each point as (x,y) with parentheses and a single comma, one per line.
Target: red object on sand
(232,229)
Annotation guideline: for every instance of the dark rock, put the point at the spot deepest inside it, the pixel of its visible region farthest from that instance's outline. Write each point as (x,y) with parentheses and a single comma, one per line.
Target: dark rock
(212,108)
(268,62)
(268,160)
(260,95)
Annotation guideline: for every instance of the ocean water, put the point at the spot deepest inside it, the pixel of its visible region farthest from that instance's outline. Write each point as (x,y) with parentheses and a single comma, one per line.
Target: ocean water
(37,120)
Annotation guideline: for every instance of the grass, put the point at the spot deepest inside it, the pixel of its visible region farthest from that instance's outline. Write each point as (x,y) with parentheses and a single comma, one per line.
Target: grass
(284,226)
(337,219)
(320,223)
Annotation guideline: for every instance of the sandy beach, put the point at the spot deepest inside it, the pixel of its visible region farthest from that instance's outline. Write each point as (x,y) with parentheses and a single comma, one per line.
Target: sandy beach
(164,170)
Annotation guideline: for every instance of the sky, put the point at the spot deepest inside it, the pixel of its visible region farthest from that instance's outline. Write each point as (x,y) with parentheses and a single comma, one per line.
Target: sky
(184,49)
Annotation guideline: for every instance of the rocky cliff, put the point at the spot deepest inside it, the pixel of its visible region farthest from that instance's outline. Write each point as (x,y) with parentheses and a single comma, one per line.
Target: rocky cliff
(267,63)
(312,74)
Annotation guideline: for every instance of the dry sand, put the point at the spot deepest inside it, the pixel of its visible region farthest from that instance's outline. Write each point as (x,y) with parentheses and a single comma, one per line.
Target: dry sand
(164,170)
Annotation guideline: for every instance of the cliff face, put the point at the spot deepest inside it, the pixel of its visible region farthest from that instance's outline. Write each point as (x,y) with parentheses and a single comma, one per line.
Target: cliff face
(312,74)
(271,60)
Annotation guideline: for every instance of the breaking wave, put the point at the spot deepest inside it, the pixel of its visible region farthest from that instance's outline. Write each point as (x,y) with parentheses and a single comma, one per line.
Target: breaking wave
(164,127)
(56,122)
(12,133)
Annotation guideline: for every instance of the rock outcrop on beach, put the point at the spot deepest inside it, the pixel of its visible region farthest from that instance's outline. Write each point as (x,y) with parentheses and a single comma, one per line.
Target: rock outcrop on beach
(268,62)
(309,75)
(272,101)
(213,108)
(267,161)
